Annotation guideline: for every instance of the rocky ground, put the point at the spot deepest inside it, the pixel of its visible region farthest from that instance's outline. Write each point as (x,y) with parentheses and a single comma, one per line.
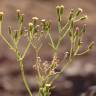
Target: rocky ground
(79,78)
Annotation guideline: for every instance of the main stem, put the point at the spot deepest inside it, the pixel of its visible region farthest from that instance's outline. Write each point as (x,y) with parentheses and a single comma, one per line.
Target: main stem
(24,78)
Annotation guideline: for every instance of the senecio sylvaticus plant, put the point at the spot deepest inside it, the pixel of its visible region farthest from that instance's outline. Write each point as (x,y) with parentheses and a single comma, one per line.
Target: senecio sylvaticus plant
(46,73)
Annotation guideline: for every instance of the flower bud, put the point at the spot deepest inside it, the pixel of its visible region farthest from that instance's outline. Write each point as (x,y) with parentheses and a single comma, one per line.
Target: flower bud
(48,24)
(30,26)
(10,30)
(84,17)
(71,14)
(18,13)
(1,16)
(77,31)
(34,20)
(78,11)
(30,30)
(16,36)
(43,21)
(61,10)
(58,10)
(84,28)
(21,18)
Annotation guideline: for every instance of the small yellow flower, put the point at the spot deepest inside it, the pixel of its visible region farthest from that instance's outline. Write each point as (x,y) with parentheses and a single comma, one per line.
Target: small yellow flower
(35,18)
(18,10)
(30,24)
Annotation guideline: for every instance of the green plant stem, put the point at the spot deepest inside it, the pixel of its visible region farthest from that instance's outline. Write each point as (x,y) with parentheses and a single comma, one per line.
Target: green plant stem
(20,29)
(65,26)
(85,52)
(59,26)
(0,27)
(26,50)
(5,40)
(76,51)
(62,37)
(38,70)
(51,39)
(22,70)
(39,92)
(24,79)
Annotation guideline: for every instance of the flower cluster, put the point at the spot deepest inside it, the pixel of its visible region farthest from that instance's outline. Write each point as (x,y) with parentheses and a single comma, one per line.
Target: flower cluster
(39,30)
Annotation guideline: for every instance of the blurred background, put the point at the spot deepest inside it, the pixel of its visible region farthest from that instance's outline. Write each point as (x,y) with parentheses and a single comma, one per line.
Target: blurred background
(79,78)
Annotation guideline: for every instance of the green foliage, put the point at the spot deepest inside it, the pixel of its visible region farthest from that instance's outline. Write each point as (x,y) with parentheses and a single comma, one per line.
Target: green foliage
(36,32)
